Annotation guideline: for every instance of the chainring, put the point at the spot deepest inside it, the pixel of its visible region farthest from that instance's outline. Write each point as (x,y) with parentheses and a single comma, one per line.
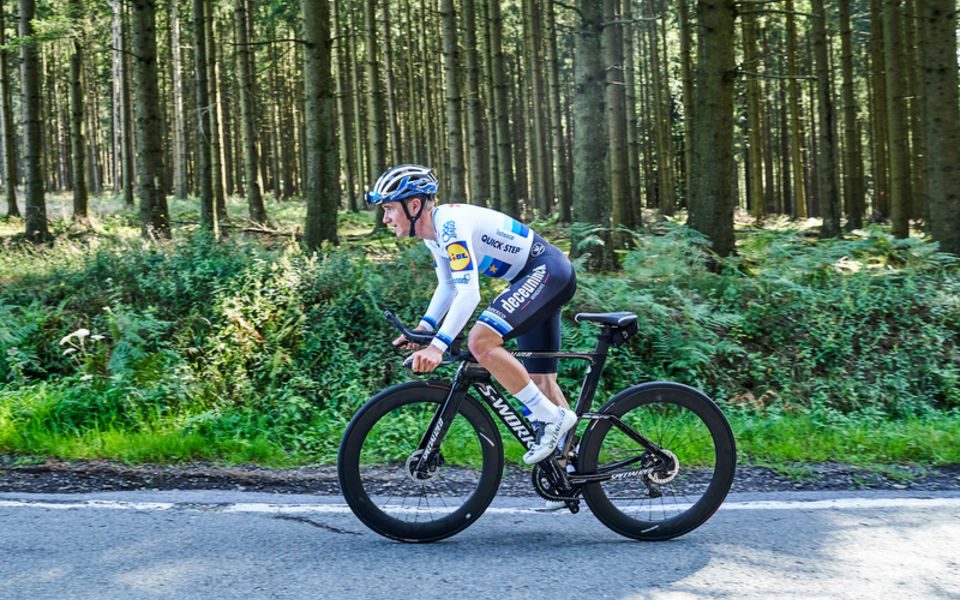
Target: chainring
(546,489)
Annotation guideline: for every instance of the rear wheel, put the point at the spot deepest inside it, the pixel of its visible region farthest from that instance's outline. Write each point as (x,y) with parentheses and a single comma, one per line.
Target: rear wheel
(378,456)
(658,495)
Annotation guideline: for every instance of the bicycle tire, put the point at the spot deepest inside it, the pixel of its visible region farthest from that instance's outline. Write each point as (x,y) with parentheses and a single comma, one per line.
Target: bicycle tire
(372,470)
(679,419)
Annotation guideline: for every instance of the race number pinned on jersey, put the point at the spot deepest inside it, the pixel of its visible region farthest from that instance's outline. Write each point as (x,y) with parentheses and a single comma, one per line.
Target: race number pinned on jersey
(459,256)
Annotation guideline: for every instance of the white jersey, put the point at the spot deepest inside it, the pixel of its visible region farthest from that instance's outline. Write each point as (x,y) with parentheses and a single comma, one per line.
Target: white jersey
(469,241)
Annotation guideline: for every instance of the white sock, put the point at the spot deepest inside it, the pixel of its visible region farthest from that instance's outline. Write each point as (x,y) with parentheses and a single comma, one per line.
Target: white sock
(541,409)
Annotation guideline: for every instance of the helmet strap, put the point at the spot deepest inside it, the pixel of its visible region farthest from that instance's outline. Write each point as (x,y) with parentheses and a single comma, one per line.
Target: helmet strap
(413,218)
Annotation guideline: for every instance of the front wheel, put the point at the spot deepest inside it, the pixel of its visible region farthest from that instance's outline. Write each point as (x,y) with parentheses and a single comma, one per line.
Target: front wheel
(668,491)
(378,454)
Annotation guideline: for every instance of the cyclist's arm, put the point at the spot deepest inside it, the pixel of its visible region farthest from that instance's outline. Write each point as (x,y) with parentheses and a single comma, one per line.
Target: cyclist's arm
(442,296)
(465,278)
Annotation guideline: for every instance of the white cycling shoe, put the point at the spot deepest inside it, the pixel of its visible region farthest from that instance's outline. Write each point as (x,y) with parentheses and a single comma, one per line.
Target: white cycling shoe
(549,436)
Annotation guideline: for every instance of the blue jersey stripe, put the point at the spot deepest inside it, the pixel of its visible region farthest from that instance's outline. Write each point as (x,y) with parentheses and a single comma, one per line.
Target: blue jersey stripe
(443,338)
(501,326)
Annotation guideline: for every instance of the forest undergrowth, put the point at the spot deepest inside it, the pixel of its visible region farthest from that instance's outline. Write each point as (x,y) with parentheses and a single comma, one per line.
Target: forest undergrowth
(250,350)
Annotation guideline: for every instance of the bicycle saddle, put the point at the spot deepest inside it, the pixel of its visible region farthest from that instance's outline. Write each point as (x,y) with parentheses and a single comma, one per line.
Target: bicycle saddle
(617,319)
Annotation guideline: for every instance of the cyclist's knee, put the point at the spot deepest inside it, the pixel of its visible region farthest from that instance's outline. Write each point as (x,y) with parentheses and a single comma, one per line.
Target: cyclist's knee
(482,339)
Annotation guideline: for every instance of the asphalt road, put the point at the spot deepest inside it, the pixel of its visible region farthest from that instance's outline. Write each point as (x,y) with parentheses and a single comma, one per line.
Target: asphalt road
(211,545)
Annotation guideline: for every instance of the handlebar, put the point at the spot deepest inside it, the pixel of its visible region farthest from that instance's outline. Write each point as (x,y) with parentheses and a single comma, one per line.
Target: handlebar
(424,338)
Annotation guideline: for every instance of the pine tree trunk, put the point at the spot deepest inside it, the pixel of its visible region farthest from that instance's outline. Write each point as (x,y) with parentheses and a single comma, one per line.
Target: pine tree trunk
(796,127)
(344,107)
(213,95)
(591,191)
(375,111)
(561,179)
(507,185)
(179,126)
(615,104)
(208,212)
(714,190)
(899,145)
(829,189)
(633,131)
(751,58)
(77,149)
(853,161)
(881,137)
(663,126)
(127,129)
(36,213)
(358,148)
(915,112)
(686,76)
(153,202)
(225,112)
(940,85)
(541,180)
(258,212)
(322,190)
(493,174)
(479,185)
(393,128)
(6,129)
(451,67)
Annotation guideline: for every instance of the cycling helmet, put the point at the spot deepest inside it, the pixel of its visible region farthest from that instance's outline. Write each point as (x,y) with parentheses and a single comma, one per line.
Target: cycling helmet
(401,182)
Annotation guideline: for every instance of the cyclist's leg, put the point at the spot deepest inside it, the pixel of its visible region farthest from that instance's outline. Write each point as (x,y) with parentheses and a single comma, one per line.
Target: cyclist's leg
(544,337)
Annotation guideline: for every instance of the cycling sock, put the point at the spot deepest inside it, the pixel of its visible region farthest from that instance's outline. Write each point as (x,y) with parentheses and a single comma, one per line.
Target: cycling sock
(539,405)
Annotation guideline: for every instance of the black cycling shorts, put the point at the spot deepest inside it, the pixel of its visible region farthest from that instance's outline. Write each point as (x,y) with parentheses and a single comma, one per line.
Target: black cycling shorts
(529,310)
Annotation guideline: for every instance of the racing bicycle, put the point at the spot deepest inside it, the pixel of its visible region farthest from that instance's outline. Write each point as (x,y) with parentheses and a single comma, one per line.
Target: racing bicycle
(422,460)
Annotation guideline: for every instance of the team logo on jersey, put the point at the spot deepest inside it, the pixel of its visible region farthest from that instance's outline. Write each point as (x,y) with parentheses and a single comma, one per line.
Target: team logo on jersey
(537,249)
(449,231)
(459,256)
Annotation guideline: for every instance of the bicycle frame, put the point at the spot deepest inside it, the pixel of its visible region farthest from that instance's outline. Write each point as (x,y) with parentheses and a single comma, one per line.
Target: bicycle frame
(472,374)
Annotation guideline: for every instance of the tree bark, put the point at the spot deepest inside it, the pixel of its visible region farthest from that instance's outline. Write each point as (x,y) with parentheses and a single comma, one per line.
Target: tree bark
(751,58)
(6,129)
(591,191)
(322,191)
(179,126)
(615,104)
(853,164)
(714,190)
(77,147)
(899,145)
(153,202)
(451,59)
(345,114)
(686,76)
(796,126)
(36,213)
(479,184)
(127,132)
(881,137)
(829,189)
(213,96)
(940,85)
(507,185)
(258,212)
(208,212)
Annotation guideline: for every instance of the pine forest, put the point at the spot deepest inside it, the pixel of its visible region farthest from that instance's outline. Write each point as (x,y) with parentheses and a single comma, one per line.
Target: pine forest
(589,111)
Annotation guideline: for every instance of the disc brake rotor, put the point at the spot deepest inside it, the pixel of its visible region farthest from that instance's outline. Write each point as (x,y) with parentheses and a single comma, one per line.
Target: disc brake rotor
(433,464)
(668,471)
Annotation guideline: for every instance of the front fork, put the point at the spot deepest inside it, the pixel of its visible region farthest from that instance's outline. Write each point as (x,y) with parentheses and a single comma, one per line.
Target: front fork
(439,425)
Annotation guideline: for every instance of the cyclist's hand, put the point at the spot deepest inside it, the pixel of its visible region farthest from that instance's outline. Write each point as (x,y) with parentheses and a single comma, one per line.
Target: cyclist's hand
(427,359)
(405,344)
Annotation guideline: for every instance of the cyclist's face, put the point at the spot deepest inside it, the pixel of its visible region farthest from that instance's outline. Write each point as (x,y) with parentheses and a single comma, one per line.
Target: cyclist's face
(393,216)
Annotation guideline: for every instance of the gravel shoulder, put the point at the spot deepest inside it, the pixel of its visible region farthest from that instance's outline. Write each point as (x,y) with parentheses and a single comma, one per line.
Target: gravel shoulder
(24,474)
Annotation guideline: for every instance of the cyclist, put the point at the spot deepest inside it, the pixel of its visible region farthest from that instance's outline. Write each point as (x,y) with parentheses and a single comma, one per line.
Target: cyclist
(467,241)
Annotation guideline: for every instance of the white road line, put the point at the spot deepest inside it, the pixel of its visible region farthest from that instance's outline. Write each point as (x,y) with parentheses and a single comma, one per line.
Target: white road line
(268,508)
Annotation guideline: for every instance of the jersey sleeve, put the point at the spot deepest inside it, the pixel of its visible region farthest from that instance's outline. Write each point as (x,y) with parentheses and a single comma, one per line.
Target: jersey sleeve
(442,296)
(462,264)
